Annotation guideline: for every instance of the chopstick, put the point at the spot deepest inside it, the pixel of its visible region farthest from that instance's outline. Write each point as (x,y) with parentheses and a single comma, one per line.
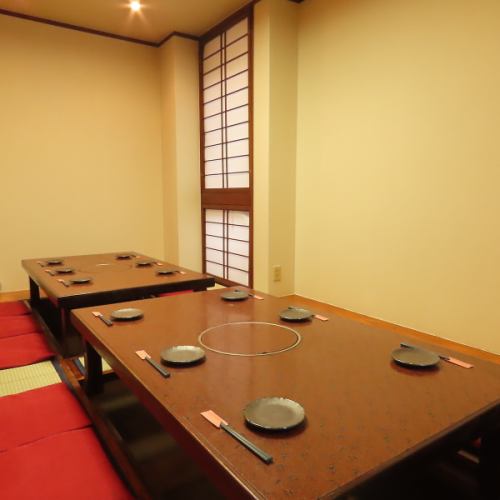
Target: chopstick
(99,315)
(218,422)
(144,355)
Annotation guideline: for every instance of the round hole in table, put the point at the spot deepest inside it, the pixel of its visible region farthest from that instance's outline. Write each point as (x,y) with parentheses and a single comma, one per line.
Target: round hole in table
(249,338)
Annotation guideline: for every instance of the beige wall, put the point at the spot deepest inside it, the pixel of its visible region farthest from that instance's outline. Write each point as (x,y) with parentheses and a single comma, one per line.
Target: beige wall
(181,151)
(80,146)
(398,163)
(275,119)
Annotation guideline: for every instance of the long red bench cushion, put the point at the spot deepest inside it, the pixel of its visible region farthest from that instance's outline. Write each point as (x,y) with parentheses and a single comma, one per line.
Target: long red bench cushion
(11,326)
(14,308)
(23,350)
(68,465)
(39,413)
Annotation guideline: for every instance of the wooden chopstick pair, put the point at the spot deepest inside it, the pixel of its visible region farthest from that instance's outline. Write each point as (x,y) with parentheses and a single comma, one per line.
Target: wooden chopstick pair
(220,423)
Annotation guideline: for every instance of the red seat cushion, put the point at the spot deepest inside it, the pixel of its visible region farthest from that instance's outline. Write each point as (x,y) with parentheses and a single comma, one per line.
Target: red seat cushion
(17,325)
(39,413)
(166,294)
(23,350)
(68,465)
(14,308)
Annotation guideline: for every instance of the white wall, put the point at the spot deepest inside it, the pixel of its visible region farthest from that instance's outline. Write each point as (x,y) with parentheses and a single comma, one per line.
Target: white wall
(398,163)
(80,146)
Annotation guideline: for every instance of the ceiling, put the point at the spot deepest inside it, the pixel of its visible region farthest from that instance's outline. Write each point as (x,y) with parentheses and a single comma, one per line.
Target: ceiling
(156,20)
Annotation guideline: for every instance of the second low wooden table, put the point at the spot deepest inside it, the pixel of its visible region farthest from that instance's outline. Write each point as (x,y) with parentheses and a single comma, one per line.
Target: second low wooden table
(114,277)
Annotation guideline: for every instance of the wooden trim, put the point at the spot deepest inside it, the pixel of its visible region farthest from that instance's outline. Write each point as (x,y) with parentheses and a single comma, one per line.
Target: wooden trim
(179,34)
(245,11)
(73,27)
(408,332)
(227,198)
(10,296)
(91,31)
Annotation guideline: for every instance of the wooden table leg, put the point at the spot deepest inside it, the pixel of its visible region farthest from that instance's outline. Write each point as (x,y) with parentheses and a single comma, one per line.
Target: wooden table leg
(34,294)
(489,465)
(93,366)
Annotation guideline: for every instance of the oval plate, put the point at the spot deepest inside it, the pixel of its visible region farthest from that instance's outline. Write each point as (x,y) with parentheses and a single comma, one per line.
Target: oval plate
(163,272)
(274,414)
(234,295)
(295,314)
(415,358)
(144,263)
(54,262)
(80,281)
(64,270)
(123,256)
(182,355)
(127,314)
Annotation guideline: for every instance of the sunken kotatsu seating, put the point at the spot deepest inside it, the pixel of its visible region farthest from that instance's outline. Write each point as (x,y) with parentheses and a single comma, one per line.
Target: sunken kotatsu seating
(14,308)
(21,339)
(49,450)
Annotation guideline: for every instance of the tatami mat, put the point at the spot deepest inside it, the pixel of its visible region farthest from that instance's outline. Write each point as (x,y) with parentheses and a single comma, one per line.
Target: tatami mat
(25,378)
(105,366)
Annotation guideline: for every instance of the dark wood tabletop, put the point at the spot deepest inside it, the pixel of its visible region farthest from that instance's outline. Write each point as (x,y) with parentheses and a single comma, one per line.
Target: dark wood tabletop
(112,278)
(364,413)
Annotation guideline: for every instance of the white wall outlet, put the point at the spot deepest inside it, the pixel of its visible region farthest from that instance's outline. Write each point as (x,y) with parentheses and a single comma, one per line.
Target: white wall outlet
(276,273)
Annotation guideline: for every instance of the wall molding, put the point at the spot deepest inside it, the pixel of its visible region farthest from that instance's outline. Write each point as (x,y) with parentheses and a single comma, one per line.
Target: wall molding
(91,31)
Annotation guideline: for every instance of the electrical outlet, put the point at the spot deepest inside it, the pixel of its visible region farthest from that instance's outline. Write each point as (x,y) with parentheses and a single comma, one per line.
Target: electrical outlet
(276,273)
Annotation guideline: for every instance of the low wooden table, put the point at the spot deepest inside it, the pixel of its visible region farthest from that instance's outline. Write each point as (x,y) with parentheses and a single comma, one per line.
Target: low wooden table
(113,280)
(365,415)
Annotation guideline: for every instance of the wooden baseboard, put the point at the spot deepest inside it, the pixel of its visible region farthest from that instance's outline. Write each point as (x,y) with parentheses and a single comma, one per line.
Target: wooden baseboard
(407,332)
(19,295)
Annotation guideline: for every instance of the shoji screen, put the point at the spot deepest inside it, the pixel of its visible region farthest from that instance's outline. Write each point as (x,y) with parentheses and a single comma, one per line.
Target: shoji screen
(226,149)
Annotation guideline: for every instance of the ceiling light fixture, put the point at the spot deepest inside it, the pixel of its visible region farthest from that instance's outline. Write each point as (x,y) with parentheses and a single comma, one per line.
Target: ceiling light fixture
(135,6)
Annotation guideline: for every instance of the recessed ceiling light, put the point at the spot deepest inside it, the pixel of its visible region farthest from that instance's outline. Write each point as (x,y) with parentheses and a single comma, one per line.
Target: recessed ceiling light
(135,6)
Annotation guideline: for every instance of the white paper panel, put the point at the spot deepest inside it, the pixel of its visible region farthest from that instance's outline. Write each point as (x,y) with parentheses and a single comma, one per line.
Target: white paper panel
(237,65)
(212,138)
(238,164)
(237,82)
(215,269)
(213,107)
(237,148)
(212,123)
(212,78)
(237,99)
(237,132)
(212,62)
(239,233)
(237,48)
(212,92)
(213,181)
(237,261)
(213,215)
(238,247)
(237,31)
(238,276)
(237,115)
(238,180)
(213,152)
(213,167)
(216,256)
(213,229)
(211,46)
(239,217)
(217,243)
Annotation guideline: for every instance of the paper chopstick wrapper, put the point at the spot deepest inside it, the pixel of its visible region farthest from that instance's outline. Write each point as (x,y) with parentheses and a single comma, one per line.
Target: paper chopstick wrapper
(458,362)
